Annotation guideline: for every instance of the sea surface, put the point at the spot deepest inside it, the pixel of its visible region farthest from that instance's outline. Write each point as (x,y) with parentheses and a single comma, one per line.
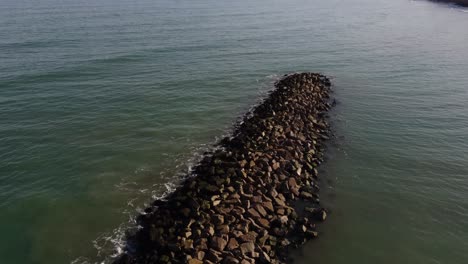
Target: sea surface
(105,104)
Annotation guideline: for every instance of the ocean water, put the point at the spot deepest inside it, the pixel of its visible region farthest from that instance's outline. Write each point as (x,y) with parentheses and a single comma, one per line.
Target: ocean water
(104,104)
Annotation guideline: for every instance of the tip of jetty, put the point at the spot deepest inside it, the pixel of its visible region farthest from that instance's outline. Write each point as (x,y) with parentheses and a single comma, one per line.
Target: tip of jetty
(256,196)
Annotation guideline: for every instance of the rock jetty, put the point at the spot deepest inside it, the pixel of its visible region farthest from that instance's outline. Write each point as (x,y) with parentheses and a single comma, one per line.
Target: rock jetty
(254,197)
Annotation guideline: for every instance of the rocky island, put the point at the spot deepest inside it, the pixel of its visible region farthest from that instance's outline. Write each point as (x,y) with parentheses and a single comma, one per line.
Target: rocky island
(255,196)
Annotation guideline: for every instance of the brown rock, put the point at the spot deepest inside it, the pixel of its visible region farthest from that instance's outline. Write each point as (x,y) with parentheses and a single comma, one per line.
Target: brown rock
(232,244)
(281,197)
(279,201)
(295,191)
(218,243)
(280,211)
(298,172)
(212,189)
(236,233)
(244,226)
(213,256)
(218,219)
(263,222)
(273,193)
(249,237)
(253,213)
(264,257)
(230,260)
(268,206)
(311,234)
(201,255)
(235,196)
(260,210)
(306,195)
(311,209)
(211,231)
(257,199)
(195,261)
(263,238)
(242,163)
(187,234)
(185,212)
(324,215)
(292,182)
(188,244)
(284,219)
(255,226)
(246,203)
(223,229)
(247,247)
(276,165)
(202,244)
(224,210)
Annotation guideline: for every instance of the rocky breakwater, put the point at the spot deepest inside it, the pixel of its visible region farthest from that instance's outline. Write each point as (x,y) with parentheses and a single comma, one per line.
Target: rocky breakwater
(255,196)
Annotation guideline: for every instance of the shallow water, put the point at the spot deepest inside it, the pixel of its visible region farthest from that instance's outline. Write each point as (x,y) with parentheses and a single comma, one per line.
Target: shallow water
(103,103)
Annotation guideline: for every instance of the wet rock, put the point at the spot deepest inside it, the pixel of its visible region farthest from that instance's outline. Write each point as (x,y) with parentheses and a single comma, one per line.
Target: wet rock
(323,215)
(306,195)
(311,234)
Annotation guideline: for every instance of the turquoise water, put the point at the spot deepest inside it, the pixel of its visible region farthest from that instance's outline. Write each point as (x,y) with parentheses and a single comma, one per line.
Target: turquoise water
(104,103)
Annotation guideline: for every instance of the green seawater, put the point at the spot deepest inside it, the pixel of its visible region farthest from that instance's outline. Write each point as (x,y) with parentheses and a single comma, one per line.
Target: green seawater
(105,104)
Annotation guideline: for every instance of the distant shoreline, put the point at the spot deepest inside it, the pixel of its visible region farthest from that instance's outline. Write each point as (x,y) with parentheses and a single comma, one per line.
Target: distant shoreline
(457,2)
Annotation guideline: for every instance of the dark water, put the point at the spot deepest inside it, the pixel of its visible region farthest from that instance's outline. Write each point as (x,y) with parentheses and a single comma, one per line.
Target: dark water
(103,103)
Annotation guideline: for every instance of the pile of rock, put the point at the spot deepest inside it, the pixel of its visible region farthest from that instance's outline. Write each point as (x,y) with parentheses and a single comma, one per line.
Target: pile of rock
(256,196)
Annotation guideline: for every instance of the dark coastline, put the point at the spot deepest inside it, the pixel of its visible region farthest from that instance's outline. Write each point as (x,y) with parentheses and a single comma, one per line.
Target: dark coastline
(256,196)
(457,2)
